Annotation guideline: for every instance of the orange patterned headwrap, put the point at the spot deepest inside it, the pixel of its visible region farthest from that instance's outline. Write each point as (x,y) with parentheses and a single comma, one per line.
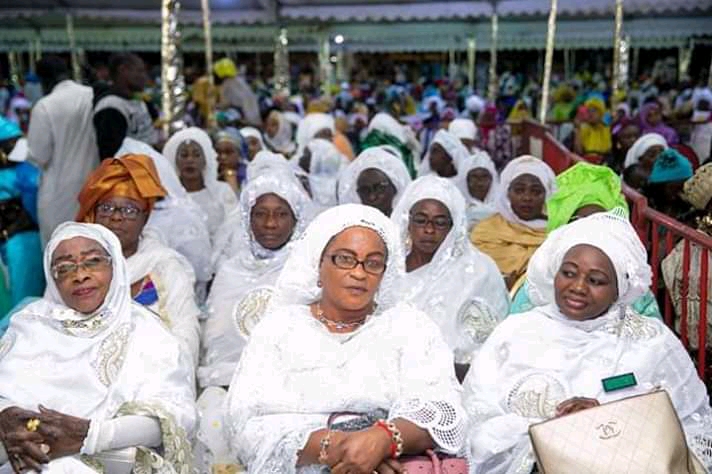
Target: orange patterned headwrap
(132,176)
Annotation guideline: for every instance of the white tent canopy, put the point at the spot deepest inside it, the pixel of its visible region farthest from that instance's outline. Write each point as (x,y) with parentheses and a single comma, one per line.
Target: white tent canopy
(415,25)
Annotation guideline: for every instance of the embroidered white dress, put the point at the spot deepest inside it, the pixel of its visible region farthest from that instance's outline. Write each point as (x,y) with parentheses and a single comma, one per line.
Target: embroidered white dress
(533,361)
(118,361)
(461,289)
(294,373)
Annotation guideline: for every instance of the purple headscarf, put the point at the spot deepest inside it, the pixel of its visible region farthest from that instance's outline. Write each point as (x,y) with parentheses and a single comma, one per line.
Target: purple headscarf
(668,133)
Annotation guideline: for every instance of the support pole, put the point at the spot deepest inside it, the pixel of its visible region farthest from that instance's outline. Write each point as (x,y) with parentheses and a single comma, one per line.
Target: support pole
(471,57)
(281,62)
(208,34)
(548,59)
(325,65)
(76,70)
(617,39)
(172,81)
(493,86)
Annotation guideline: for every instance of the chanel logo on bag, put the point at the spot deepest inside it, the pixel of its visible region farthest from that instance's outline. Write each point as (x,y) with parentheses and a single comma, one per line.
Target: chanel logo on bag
(608,430)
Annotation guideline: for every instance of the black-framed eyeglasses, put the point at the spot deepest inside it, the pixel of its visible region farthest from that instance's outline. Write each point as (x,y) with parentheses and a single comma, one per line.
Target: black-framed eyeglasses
(439,222)
(63,270)
(373,266)
(376,188)
(107,210)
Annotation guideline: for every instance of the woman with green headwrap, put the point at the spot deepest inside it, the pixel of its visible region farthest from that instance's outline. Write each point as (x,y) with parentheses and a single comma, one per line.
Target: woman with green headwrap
(583,189)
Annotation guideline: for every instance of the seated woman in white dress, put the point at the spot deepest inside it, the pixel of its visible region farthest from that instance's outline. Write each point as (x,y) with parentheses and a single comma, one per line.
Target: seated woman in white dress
(85,371)
(120,195)
(376,178)
(273,209)
(551,361)
(447,278)
(478,181)
(191,152)
(337,340)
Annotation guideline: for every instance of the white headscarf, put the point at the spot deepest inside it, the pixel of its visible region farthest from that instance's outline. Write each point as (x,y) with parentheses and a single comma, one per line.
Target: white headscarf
(610,232)
(384,123)
(458,277)
(463,128)
(526,164)
(194,134)
(474,104)
(476,209)
(453,147)
(265,161)
(641,145)
(248,132)
(117,303)
(380,159)
(297,284)
(310,126)
(282,141)
(324,168)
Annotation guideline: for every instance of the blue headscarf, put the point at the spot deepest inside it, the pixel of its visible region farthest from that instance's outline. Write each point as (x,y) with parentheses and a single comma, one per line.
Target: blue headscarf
(8,129)
(669,167)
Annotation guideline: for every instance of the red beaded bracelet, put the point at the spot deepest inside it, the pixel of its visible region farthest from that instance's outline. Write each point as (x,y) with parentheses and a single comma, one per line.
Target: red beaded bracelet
(395,435)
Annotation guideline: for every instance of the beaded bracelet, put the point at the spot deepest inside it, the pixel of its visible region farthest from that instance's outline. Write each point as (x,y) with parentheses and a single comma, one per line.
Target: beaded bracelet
(396,437)
(324,447)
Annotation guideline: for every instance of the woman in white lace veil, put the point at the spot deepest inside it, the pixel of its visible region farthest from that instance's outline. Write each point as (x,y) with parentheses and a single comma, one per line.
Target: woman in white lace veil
(337,340)
(460,288)
(550,361)
(278,133)
(445,156)
(324,162)
(376,178)
(87,346)
(472,180)
(192,154)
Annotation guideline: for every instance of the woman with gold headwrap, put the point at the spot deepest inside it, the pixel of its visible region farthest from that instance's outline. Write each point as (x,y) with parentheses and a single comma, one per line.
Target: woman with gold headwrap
(593,137)
(120,195)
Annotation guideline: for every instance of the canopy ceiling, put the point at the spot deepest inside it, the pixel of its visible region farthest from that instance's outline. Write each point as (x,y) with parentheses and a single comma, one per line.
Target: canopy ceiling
(413,25)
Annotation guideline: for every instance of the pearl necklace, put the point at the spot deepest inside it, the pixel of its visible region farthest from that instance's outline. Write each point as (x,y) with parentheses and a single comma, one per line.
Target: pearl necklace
(338,325)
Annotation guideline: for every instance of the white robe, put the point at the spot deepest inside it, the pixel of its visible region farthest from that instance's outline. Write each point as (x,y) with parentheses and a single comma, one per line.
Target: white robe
(63,146)
(535,360)
(134,360)
(294,373)
(217,203)
(174,280)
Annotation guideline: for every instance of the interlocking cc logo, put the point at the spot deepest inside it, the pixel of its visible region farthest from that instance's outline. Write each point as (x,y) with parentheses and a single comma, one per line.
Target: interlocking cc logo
(608,430)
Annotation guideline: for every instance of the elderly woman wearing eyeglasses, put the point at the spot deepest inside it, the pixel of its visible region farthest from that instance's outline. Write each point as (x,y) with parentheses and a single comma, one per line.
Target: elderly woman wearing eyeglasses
(447,278)
(120,196)
(87,376)
(340,373)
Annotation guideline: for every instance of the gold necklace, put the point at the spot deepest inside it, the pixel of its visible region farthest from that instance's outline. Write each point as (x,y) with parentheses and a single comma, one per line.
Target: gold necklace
(338,325)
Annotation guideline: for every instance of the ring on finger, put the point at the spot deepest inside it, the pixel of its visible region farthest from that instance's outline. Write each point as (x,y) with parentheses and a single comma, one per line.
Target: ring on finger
(45,448)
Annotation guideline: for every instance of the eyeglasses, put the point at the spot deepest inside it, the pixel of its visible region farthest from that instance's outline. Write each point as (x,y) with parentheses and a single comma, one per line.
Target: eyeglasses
(349,262)
(127,212)
(439,222)
(377,188)
(64,270)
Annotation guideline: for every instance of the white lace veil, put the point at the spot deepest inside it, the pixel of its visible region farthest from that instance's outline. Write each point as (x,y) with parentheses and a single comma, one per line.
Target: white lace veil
(380,159)
(297,284)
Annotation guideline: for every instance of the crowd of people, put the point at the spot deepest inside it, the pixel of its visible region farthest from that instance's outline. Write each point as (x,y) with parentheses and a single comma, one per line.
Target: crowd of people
(333,283)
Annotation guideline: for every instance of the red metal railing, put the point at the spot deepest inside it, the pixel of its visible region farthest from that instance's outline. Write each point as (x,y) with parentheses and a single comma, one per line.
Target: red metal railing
(660,234)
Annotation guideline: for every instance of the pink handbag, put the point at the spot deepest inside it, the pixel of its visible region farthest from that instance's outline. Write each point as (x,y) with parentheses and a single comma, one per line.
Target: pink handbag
(432,464)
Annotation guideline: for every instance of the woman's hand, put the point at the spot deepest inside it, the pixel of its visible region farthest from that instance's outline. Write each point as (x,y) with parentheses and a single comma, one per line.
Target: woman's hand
(22,446)
(63,433)
(390,466)
(360,452)
(572,405)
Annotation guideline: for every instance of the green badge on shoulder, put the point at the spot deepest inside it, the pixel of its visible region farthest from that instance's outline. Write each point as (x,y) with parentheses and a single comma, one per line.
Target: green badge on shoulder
(619,382)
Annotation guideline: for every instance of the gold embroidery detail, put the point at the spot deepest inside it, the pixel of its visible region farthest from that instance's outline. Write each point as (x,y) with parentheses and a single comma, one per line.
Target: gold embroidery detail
(476,320)
(536,395)
(249,311)
(112,353)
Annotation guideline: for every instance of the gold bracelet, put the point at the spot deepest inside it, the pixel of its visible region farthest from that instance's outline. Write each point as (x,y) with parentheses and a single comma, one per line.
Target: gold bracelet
(324,448)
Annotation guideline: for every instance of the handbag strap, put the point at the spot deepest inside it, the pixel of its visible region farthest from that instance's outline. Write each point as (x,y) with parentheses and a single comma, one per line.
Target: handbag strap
(437,468)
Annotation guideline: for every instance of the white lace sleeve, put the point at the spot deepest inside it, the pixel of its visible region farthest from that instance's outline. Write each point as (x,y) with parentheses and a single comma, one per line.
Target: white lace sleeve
(430,393)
